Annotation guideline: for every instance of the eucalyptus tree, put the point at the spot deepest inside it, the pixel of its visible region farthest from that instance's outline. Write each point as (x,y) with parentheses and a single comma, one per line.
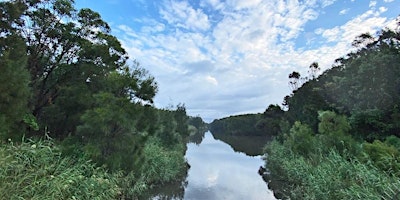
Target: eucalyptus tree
(295,81)
(71,56)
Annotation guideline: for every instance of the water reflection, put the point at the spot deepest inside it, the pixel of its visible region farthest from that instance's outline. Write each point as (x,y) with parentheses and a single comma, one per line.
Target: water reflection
(218,172)
(197,138)
(250,145)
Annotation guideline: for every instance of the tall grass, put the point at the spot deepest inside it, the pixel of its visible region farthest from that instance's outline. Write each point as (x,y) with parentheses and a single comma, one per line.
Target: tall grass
(161,164)
(330,176)
(37,170)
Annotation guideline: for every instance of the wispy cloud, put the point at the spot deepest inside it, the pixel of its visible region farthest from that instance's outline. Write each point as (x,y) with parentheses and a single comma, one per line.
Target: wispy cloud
(344,11)
(372,3)
(182,14)
(234,57)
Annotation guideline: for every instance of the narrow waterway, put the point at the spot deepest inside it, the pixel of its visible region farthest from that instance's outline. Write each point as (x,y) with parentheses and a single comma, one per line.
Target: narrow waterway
(218,172)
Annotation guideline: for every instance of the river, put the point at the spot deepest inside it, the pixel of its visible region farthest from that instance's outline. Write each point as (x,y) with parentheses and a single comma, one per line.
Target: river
(218,172)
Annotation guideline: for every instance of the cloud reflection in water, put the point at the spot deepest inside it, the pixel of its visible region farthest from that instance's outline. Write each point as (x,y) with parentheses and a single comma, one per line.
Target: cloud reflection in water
(217,172)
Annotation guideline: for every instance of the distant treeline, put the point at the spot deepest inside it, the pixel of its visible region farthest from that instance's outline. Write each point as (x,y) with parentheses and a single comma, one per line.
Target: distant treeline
(236,125)
(266,124)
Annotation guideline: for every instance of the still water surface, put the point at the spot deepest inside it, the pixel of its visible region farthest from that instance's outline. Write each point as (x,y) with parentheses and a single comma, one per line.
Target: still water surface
(218,172)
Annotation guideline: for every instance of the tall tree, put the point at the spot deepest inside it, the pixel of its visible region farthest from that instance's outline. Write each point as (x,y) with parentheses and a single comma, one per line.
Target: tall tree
(14,90)
(294,80)
(71,56)
(14,77)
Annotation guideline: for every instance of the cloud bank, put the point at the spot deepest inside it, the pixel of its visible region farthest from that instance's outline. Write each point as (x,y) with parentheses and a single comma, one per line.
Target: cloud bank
(223,58)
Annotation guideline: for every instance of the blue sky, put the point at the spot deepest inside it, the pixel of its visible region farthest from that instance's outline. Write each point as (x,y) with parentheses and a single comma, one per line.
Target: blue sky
(229,57)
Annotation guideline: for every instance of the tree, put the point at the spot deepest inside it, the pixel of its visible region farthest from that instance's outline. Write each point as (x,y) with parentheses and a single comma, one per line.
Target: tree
(334,133)
(301,139)
(182,119)
(71,56)
(14,76)
(14,90)
(295,81)
(313,70)
(65,45)
(270,123)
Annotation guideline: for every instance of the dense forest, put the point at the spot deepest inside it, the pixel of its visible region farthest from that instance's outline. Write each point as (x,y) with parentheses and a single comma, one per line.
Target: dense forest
(77,119)
(337,134)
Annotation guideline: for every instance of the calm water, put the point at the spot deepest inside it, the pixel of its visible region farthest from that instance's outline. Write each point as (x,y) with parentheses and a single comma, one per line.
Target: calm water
(218,172)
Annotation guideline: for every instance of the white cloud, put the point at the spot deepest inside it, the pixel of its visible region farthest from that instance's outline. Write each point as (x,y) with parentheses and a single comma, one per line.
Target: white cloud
(182,14)
(388,1)
(326,3)
(344,11)
(372,4)
(240,62)
(211,80)
(367,22)
(240,4)
(382,9)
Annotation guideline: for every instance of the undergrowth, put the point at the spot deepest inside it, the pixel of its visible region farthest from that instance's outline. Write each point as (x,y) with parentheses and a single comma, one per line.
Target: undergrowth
(37,170)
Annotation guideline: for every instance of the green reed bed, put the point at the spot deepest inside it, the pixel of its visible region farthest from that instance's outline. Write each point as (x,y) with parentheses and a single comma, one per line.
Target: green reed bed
(37,170)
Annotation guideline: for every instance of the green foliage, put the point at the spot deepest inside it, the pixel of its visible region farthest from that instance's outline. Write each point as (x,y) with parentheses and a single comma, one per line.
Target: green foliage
(109,117)
(304,104)
(363,88)
(69,77)
(182,120)
(161,165)
(237,125)
(14,90)
(334,133)
(69,63)
(331,164)
(30,120)
(37,170)
(332,124)
(326,176)
(369,124)
(271,120)
(384,157)
(393,141)
(300,139)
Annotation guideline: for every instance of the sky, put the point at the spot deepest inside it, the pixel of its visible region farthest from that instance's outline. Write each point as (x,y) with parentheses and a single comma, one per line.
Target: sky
(228,57)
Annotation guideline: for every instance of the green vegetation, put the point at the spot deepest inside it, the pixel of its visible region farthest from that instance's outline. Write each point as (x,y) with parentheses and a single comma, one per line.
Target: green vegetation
(337,135)
(64,76)
(265,124)
(339,138)
(237,125)
(37,170)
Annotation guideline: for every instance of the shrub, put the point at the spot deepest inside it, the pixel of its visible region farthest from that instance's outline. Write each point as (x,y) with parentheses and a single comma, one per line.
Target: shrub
(332,177)
(161,165)
(383,156)
(301,139)
(37,170)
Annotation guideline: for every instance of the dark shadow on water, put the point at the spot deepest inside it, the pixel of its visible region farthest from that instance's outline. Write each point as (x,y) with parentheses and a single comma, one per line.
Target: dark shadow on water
(250,145)
(197,138)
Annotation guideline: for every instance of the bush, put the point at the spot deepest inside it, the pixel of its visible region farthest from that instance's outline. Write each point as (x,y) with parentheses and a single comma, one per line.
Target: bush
(301,139)
(332,177)
(161,165)
(37,170)
(383,156)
